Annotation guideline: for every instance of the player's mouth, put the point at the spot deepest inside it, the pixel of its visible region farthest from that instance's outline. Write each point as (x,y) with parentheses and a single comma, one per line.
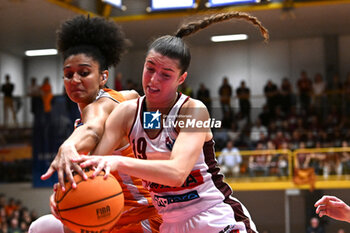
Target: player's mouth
(152,89)
(76,90)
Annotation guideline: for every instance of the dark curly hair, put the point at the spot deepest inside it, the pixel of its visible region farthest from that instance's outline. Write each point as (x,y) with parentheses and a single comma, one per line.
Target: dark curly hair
(97,37)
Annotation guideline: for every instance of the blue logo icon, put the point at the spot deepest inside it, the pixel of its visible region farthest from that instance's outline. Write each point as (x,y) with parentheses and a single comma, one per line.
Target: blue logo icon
(151,120)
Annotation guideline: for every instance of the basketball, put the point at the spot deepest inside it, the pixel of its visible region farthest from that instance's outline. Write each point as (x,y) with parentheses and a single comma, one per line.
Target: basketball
(94,206)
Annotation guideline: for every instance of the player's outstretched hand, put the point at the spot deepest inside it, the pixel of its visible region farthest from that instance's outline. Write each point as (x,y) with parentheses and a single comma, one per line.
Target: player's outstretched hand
(98,162)
(64,166)
(333,207)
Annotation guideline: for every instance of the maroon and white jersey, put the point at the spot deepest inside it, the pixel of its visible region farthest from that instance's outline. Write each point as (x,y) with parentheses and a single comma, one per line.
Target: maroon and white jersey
(204,187)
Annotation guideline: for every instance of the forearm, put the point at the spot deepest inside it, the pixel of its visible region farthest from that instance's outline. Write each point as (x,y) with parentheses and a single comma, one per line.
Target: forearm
(84,138)
(158,171)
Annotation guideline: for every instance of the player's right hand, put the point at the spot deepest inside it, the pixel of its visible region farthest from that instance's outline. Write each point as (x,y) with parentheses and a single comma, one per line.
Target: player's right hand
(64,166)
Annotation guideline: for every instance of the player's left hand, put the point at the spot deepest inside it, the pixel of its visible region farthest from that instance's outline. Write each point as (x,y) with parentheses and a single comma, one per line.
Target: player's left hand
(98,162)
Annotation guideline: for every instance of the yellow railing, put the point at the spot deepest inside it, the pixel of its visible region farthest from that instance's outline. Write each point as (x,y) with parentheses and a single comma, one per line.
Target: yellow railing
(245,183)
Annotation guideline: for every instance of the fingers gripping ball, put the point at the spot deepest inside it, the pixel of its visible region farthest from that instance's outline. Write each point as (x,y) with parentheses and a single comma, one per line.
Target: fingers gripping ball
(94,206)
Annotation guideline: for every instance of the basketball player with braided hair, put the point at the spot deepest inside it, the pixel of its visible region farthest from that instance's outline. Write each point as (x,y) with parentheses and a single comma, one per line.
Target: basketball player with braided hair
(177,163)
(89,47)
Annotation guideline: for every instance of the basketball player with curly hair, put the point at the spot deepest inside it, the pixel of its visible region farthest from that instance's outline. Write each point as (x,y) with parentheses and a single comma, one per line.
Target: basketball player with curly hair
(89,47)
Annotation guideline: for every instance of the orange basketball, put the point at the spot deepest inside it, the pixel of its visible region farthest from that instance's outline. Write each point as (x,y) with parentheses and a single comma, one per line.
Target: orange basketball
(94,206)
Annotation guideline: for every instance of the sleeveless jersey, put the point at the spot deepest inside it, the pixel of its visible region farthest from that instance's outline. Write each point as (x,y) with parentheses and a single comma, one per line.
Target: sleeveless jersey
(203,188)
(135,195)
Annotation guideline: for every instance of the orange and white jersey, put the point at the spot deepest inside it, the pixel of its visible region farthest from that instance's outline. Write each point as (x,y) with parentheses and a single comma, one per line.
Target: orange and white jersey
(135,194)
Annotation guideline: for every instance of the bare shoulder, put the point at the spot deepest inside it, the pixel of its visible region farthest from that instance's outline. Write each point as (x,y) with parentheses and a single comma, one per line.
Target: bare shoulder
(100,106)
(130,94)
(129,106)
(193,106)
(125,113)
(194,103)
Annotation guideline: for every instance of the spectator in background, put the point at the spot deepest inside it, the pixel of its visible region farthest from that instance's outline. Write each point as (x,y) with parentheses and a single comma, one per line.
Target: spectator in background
(278,117)
(2,200)
(314,226)
(331,163)
(345,158)
(8,89)
(315,159)
(294,140)
(301,158)
(118,86)
(265,116)
(282,161)
(230,160)
(4,228)
(292,118)
(203,94)
(271,94)
(35,97)
(46,95)
(318,89)
(313,124)
(233,132)
(304,85)
(310,139)
(259,162)
(279,139)
(228,117)
(272,129)
(334,91)
(256,131)
(287,96)
(346,98)
(10,207)
(225,93)
(185,89)
(263,139)
(2,215)
(243,95)
(14,226)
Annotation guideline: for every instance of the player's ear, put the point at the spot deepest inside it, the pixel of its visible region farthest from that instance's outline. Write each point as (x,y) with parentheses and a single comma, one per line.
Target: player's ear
(103,78)
(182,78)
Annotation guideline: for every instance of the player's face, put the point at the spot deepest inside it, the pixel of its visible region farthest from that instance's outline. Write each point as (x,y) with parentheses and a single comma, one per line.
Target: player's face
(161,77)
(82,78)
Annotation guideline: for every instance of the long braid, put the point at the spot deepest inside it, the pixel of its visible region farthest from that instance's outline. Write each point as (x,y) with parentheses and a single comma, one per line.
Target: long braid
(193,27)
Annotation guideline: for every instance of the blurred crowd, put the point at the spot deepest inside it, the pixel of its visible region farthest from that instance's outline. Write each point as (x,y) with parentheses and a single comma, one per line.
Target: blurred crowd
(316,116)
(14,217)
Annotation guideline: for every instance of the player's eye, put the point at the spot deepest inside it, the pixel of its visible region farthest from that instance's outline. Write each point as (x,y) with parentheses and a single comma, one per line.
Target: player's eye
(167,76)
(150,69)
(68,75)
(84,73)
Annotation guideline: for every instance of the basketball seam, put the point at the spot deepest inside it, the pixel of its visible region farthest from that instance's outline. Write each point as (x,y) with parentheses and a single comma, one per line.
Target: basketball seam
(86,204)
(94,225)
(58,201)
